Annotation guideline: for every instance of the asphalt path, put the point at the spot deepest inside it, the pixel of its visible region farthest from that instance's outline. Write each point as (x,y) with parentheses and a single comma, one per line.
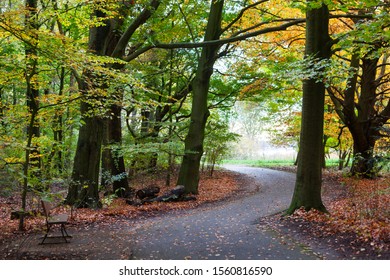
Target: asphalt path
(228,230)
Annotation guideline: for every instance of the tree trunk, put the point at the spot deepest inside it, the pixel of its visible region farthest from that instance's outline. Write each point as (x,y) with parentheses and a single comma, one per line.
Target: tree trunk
(106,39)
(32,95)
(116,160)
(344,156)
(118,169)
(364,130)
(83,190)
(189,170)
(106,157)
(2,108)
(361,119)
(307,192)
(32,92)
(325,141)
(364,112)
(57,127)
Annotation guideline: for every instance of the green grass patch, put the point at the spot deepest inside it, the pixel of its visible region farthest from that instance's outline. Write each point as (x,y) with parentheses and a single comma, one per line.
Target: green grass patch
(259,163)
(271,163)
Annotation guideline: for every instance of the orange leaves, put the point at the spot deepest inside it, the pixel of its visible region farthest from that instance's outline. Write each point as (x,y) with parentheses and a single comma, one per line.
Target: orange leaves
(211,189)
(214,188)
(369,204)
(364,210)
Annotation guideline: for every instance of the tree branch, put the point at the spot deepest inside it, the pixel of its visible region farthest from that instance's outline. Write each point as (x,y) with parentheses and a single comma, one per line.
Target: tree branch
(139,21)
(241,14)
(229,40)
(233,39)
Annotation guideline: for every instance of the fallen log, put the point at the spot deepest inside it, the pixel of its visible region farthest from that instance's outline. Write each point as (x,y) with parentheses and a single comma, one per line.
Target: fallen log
(18,214)
(148,192)
(177,194)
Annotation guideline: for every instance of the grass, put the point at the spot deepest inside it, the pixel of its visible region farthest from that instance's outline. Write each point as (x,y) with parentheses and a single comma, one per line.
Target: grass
(271,163)
(259,163)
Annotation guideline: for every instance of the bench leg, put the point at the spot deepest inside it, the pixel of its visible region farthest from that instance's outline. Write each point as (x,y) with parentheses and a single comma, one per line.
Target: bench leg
(44,238)
(65,233)
(47,232)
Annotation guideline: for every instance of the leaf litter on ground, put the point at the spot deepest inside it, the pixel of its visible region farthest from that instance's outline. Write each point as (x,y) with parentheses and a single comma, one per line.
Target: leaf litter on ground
(357,226)
(222,185)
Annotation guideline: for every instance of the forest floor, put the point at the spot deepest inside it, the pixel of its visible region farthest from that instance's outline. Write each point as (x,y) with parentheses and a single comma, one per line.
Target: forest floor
(356,228)
(357,225)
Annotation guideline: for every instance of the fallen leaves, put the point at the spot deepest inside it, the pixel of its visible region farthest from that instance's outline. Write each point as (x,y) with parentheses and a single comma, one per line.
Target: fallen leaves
(363,210)
(215,188)
(357,226)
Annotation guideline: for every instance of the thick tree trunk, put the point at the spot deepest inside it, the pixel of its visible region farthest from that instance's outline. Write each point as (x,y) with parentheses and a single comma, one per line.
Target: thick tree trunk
(361,118)
(114,124)
(307,192)
(105,39)
(189,170)
(83,191)
(364,112)
(365,129)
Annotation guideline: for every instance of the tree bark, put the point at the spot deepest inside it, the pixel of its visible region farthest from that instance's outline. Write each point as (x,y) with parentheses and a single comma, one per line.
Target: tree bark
(32,94)
(364,130)
(104,39)
(307,192)
(189,170)
(83,191)
(362,118)
(115,163)
(363,110)
(118,169)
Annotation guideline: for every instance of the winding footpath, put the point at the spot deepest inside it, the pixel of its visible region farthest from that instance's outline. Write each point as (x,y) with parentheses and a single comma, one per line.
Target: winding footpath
(223,230)
(227,230)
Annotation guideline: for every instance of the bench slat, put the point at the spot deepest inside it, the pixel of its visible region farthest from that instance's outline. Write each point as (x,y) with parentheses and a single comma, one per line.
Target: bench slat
(58,219)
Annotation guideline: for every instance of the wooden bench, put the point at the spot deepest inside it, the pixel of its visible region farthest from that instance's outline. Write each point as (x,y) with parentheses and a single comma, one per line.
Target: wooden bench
(52,220)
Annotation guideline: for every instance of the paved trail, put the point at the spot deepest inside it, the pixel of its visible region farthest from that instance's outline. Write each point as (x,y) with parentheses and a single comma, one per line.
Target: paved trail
(223,230)
(228,230)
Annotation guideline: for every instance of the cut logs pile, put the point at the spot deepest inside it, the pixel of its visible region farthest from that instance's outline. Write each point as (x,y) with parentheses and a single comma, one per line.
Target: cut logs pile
(150,194)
